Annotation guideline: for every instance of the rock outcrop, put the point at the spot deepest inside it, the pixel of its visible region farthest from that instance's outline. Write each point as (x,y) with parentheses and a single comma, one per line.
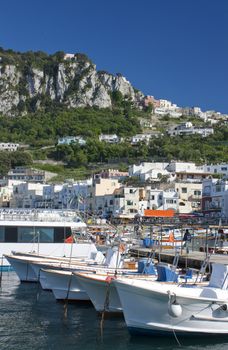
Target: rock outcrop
(26,84)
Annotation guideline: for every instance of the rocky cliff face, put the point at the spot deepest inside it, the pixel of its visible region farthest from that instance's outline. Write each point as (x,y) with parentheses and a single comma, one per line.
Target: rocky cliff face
(26,85)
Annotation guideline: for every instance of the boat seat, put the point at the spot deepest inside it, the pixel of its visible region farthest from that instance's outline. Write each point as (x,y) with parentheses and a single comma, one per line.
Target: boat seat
(166,274)
(219,276)
(146,267)
(188,275)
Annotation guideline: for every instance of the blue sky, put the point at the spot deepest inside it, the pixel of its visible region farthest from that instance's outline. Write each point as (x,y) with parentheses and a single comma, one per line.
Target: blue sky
(172,49)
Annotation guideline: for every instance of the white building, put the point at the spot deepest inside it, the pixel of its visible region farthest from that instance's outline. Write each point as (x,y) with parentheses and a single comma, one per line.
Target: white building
(69,140)
(10,147)
(172,112)
(26,194)
(216,169)
(109,138)
(98,192)
(129,201)
(165,103)
(215,198)
(143,138)
(145,167)
(70,195)
(162,200)
(190,167)
(190,196)
(155,199)
(68,56)
(170,200)
(188,129)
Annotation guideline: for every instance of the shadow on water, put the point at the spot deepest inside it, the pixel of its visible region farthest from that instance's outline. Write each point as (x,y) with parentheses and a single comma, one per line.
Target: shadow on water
(30,318)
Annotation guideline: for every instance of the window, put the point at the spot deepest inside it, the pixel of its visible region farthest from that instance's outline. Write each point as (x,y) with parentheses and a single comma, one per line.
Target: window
(207,189)
(169,201)
(218,188)
(197,193)
(27,234)
(10,234)
(184,189)
(46,234)
(152,197)
(35,234)
(129,202)
(2,234)
(61,233)
(131,190)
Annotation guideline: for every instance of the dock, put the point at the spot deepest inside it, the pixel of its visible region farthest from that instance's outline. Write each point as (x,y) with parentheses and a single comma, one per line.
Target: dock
(192,259)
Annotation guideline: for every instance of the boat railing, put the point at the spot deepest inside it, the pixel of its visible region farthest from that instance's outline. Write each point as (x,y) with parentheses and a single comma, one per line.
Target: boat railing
(33,215)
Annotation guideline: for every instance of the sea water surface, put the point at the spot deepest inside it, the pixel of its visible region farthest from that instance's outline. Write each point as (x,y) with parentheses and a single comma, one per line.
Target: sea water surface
(31,319)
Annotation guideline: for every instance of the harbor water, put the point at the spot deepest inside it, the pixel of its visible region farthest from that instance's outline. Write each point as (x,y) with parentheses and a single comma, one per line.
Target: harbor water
(31,319)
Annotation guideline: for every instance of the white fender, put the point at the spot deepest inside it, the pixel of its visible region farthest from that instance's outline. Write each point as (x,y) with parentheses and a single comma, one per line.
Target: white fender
(174,309)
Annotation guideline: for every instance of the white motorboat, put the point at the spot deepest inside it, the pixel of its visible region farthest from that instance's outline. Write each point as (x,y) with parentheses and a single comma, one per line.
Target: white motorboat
(83,253)
(167,308)
(39,231)
(62,281)
(102,291)
(64,285)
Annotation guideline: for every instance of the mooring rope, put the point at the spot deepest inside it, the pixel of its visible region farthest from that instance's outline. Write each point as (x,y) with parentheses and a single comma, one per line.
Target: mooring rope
(170,296)
(27,266)
(106,307)
(38,286)
(67,296)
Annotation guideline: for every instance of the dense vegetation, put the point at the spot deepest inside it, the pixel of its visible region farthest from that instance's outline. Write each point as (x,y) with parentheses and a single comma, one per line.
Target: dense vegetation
(39,59)
(39,130)
(10,160)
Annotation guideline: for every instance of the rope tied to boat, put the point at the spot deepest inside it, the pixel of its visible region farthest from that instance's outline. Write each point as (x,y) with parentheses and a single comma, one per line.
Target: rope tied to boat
(108,279)
(67,297)
(27,267)
(38,286)
(172,299)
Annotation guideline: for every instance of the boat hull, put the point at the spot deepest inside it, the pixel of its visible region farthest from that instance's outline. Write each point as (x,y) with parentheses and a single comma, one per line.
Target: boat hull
(64,285)
(102,293)
(23,269)
(147,310)
(27,273)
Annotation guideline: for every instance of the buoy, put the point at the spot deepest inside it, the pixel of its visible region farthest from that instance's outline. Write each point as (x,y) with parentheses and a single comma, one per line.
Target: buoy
(174,309)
